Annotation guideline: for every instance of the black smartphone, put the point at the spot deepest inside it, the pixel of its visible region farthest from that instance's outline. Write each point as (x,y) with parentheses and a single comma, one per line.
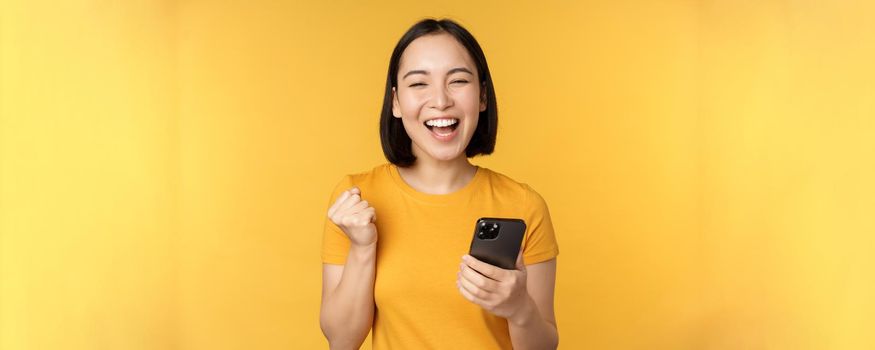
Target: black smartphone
(497,241)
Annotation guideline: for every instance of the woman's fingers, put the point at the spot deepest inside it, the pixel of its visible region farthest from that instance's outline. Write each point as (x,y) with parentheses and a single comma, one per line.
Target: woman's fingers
(343,196)
(468,295)
(353,199)
(372,213)
(357,207)
(355,214)
(472,290)
(520,262)
(468,274)
(350,206)
(483,268)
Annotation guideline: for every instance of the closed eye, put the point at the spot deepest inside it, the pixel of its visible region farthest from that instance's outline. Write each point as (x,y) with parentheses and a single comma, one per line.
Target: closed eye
(452,82)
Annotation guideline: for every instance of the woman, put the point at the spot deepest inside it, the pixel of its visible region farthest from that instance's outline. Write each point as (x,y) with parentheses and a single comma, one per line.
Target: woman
(407,274)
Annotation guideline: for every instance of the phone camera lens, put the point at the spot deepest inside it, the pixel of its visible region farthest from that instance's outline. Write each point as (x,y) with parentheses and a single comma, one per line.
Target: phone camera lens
(488,231)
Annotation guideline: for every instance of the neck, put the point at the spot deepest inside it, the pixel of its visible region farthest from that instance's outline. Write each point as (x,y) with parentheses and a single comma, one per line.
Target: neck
(435,176)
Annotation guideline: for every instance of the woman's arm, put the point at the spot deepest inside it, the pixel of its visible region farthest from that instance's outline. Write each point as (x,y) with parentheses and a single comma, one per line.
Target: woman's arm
(347,311)
(535,326)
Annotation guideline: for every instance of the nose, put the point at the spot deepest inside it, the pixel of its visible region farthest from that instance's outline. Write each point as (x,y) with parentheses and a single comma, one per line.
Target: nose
(441,99)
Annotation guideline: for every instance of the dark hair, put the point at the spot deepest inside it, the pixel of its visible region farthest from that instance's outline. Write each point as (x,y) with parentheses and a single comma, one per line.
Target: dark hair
(396,143)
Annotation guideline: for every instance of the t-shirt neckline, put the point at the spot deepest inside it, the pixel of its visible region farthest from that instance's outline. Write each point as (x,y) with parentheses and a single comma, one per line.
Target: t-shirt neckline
(447,198)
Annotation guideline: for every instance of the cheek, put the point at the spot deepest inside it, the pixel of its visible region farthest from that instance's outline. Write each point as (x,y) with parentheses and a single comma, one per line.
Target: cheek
(472,124)
(469,101)
(411,104)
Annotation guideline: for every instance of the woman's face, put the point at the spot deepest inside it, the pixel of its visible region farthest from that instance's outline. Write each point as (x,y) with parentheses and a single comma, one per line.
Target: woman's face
(439,96)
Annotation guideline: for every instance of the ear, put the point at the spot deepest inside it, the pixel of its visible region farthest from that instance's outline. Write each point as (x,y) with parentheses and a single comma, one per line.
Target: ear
(483,101)
(396,106)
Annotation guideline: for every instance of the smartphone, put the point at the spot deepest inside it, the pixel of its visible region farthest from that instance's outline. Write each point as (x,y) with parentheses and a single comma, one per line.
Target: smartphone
(497,241)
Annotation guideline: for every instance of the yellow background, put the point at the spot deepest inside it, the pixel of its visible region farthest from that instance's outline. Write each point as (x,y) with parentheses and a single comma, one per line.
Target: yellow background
(165,165)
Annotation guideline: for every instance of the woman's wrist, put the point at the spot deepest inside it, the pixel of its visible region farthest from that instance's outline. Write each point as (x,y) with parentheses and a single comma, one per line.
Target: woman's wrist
(527,313)
(363,250)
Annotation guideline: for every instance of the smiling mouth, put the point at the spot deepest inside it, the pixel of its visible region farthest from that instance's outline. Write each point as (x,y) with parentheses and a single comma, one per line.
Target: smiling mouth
(442,130)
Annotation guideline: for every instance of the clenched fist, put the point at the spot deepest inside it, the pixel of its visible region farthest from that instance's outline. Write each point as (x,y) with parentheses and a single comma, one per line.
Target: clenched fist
(355,217)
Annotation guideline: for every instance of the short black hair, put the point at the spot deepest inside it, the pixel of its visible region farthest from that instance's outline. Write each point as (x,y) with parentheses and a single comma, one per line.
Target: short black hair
(397,145)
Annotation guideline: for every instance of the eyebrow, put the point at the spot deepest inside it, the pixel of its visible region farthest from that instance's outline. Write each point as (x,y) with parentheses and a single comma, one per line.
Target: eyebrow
(451,71)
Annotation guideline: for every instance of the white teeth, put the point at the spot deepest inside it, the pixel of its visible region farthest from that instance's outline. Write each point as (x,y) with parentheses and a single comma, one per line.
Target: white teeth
(441,122)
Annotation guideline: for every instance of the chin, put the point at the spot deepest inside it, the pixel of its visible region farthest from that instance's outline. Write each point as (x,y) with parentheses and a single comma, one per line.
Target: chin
(445,156)
(441,151)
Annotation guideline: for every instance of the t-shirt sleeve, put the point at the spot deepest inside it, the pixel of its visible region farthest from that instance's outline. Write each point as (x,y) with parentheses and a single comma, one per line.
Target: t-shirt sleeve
(540,242)
(335,243)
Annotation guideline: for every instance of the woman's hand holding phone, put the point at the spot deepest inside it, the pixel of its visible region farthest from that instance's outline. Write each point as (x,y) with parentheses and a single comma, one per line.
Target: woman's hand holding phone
(355,217)
(499,291)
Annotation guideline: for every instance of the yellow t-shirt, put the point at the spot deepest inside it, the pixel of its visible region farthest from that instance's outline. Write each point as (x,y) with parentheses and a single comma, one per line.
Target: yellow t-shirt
(421,240)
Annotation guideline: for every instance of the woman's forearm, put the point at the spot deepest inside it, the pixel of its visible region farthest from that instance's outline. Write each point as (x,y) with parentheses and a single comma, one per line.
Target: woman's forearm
(348,312)
(529,330)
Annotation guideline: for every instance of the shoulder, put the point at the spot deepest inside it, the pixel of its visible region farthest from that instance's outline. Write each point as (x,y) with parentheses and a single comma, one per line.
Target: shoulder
(364,178)
(366,174)
(521,192)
